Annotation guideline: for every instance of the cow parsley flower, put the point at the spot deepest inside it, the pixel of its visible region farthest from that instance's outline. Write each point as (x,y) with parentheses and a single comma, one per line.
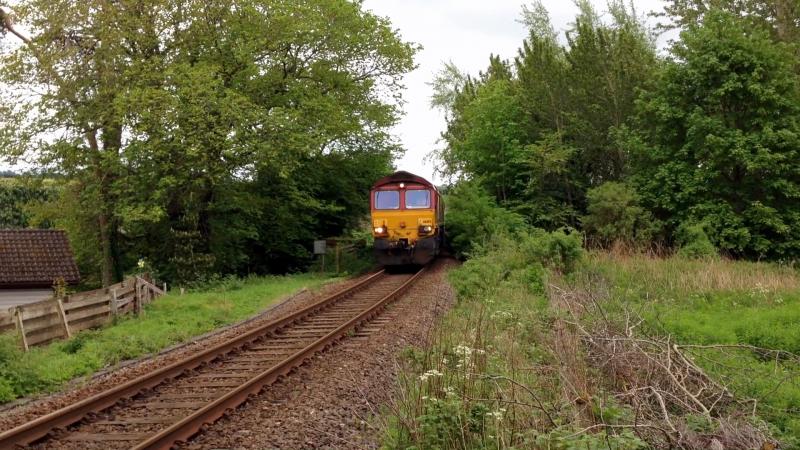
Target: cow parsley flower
(430,373)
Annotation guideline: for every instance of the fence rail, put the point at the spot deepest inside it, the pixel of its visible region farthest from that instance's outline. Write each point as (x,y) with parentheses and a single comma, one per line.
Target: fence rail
(42,322)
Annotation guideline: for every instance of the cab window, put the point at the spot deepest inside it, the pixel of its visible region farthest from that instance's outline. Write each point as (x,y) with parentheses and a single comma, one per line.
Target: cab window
(387,200)
(416,199)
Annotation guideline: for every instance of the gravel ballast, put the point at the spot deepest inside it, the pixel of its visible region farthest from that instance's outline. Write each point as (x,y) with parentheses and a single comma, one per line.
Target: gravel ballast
(332,401)
(24,410)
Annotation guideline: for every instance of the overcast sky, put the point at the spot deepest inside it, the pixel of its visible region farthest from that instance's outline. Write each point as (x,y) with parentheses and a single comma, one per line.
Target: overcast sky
(465,32)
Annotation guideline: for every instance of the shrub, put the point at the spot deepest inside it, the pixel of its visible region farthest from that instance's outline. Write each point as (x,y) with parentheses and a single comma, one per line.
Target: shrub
(614,215)
(473,217)
(520,258)
(559,250)
(694,242)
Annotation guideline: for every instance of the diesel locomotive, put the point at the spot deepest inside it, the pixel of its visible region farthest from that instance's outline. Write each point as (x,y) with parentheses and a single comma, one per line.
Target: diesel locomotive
(407,219)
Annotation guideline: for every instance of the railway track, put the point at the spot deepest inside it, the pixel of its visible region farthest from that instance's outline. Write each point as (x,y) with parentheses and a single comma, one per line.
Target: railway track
(173,403)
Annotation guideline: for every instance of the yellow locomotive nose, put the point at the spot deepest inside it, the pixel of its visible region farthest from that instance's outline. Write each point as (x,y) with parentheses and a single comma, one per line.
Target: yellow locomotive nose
(406,215)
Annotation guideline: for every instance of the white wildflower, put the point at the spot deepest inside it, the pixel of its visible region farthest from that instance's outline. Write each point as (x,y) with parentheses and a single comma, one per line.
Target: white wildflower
(501,315)
(759,289)
(497,415)
(430,373)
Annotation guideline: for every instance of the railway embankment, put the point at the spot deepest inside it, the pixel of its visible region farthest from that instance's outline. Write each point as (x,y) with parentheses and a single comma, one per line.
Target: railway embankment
(127,346)
(314,371)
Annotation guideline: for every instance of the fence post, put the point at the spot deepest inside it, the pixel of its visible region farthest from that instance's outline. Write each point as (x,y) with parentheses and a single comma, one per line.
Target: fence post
(113,302)
(21,328)
(63,316)
(137,298)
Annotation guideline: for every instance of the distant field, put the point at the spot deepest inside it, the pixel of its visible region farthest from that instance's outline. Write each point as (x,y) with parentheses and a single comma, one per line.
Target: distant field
(167,321)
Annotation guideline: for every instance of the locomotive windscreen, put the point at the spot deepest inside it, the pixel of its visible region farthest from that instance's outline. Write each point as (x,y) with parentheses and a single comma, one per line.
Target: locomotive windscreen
(387,200)
(418,199)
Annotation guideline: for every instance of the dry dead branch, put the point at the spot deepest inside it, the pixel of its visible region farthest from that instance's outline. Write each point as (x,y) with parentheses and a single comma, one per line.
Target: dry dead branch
(660,380)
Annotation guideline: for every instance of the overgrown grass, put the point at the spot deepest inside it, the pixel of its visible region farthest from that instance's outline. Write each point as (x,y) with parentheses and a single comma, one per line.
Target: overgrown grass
(512,366)
(720,302)
(491,377)
(169,320)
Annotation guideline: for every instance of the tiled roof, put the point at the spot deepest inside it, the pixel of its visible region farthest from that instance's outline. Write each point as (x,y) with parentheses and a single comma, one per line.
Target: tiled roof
(33,258)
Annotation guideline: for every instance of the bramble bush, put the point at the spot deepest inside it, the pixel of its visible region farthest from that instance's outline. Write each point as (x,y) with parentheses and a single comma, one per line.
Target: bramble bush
(473,217)
(614,215)
(694,242)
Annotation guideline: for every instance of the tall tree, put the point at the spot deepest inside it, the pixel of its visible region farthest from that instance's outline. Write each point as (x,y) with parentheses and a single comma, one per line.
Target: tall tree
(166,111)
(781,17)
(719,138)
(539,132)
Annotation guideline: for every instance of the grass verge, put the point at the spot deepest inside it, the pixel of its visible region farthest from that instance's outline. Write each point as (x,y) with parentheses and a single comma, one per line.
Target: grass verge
(620,353)
(740,321)
(170,320)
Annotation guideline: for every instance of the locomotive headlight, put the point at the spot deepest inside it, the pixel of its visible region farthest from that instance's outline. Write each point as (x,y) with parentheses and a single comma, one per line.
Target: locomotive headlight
(380,230)
(425,229)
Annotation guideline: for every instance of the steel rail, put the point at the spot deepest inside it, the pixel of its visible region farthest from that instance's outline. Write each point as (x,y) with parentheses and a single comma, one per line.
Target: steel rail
(190,425)
(38,428)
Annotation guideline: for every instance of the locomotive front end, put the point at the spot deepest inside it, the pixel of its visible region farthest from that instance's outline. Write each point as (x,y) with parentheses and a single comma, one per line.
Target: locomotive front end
(407,214)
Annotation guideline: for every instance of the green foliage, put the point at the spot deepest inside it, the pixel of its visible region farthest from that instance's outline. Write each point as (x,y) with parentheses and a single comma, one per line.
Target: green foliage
(473,217)
(719,136)
(537,133)
(709,134)
(694,241)
(15,195)
(777,16)
(206,149)
(522,257)
(567,440)
(169,320)
(614,215)
(68,209)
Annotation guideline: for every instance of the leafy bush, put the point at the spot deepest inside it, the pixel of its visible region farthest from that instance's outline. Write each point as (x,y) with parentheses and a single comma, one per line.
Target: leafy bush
(559,250)
(473,217)
(694,241)
(521,258)
(614,215)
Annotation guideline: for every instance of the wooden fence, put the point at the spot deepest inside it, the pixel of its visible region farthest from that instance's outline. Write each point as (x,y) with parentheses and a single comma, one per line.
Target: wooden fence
(56,318)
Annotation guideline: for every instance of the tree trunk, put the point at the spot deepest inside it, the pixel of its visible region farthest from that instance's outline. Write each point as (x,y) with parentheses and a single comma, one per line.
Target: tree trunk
(103,219)
(107,263)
